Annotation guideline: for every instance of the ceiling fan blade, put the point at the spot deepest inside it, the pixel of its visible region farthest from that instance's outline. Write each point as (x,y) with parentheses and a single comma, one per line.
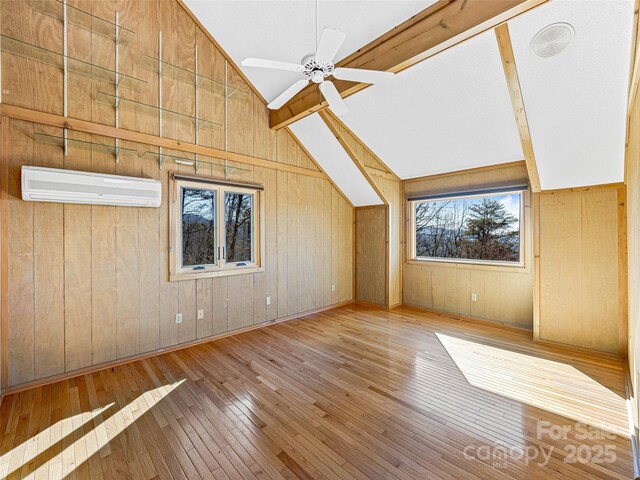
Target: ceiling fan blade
(273,64)
(335,101)
(330,42)
(360,75)
(285,96)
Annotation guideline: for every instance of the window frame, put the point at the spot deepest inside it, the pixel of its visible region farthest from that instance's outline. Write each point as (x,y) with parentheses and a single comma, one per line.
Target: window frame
(413,258)
(177,271)
(180,236)
(223,230)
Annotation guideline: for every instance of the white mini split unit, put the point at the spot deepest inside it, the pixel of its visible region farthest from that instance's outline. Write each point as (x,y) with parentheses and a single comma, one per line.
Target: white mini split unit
(69,186)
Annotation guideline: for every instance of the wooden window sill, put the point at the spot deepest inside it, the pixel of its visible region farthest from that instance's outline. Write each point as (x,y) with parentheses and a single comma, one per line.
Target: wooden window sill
(496,267)
(214,273)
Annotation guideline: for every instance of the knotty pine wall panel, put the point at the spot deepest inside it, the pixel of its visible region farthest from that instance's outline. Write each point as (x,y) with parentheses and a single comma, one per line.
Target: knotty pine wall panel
(88,284)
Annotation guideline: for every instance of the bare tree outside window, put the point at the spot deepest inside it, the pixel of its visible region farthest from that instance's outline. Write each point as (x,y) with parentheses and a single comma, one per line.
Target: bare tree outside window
(217,228)
(476,228)
(198,227)
(238,212)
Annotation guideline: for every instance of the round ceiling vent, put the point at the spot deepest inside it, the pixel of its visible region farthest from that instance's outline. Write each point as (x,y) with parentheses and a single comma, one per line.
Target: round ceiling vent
(552,40)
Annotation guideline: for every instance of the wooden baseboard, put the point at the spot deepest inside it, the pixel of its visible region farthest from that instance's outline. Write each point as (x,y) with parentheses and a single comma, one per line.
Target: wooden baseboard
(362,303)
(134,358)
(578,348)
(466,318)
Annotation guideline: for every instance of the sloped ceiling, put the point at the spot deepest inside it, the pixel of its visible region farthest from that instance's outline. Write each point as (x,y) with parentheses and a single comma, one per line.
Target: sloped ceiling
(285,30)
(576,102)
(322,144)
(453,111)
(448,113)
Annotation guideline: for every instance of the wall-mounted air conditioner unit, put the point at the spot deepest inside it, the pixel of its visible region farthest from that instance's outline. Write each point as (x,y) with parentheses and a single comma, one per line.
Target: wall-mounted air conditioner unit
(69,186)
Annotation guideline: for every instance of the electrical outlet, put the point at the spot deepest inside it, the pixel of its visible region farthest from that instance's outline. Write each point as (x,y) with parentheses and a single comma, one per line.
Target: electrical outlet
(474,297)
(268,299)
(200,314)
(333,287)
(178,318)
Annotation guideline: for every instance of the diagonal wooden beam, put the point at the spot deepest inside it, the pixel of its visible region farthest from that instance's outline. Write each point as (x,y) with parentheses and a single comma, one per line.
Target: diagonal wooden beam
(440,26)
(634,80)
(513,83)
(388,173)
(634,75)
(354,157)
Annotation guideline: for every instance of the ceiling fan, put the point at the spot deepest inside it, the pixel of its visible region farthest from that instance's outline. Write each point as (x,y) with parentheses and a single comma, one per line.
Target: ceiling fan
(316,68)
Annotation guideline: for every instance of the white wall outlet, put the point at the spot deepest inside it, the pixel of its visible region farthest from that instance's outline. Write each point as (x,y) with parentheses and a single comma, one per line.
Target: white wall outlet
(474,297)
(178,318)
(333,287)
(268,299)
(200,314)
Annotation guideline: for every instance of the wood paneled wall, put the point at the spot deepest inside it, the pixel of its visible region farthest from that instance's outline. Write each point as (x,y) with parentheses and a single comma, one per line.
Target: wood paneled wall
(371,254)
(632,180)
(582,268)
(89,284)
(389,187)
(504,294)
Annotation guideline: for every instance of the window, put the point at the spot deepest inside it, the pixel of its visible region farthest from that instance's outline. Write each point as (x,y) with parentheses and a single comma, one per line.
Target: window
(198,226)
(215,228)
(477,228)
(238,213)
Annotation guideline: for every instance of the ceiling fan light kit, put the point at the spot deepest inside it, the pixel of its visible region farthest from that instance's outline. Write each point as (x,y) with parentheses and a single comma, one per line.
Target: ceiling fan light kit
(316,68)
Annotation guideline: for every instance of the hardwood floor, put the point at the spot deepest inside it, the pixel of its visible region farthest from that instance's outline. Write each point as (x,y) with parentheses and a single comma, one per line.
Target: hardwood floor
(354,392)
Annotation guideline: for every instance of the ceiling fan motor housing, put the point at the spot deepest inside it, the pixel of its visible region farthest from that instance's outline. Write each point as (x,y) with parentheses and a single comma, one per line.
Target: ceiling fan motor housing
(315,71)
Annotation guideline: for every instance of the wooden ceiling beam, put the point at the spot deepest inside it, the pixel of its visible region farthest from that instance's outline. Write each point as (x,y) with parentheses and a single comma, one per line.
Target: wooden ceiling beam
(354,157)
(513,83)
(390,174)
(440,26)
(634,74)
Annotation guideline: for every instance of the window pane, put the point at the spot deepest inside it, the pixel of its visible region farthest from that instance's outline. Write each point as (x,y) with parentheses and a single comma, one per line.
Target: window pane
(477,228)
(198,227)
(238,214)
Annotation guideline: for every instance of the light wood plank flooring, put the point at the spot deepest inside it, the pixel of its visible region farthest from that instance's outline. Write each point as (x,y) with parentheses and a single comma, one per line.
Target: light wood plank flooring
(350,393)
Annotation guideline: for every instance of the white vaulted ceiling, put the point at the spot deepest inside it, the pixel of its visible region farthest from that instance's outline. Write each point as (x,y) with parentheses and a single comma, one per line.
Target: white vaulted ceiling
(448,113)
(576,101)
(453,110)
(325,148)
(285,30)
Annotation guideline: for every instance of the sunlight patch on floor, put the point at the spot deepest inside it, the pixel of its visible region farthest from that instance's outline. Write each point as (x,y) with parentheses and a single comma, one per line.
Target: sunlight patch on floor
(546,384)
(71,457)
(28,450)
